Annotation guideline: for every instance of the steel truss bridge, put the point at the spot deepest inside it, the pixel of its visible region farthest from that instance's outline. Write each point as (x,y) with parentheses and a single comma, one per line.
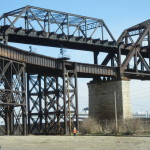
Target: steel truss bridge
(39,94)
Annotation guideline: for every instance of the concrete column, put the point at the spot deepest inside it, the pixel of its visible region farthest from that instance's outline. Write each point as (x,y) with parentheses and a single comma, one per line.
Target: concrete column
(102,99)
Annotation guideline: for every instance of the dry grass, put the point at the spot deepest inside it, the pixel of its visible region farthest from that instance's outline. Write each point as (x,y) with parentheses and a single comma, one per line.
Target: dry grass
(128,126)
(133,126)
(89,126)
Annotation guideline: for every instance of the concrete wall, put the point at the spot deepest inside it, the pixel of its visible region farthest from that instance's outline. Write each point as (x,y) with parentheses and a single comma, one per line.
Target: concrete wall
(102,99)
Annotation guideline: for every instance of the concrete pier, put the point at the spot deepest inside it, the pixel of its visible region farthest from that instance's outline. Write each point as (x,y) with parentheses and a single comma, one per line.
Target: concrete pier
(102,99)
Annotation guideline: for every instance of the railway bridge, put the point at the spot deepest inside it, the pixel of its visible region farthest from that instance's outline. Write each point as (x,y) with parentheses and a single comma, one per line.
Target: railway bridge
(39,94)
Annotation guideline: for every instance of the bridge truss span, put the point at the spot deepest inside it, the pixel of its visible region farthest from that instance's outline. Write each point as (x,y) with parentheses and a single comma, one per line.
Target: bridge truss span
(54,28)
(137,40)
(52,90)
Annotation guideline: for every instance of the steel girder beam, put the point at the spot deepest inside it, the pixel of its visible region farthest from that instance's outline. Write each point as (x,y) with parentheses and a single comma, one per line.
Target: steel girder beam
(12,97)
(59,26)
(34,62)
(112,58)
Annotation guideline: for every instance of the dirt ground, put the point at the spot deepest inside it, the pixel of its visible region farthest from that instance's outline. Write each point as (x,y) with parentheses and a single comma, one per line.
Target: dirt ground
(74,143)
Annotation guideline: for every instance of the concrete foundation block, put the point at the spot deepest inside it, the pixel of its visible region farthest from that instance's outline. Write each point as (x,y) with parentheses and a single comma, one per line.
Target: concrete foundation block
(102,99)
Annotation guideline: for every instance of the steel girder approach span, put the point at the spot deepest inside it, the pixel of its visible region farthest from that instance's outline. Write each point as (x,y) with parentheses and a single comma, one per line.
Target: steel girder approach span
(52,97)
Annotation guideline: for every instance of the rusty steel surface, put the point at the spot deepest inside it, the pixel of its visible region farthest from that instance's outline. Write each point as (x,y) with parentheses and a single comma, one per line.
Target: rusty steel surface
(52,90)
(12,97)
(137,40)
(38,61)
(55,28)
(39,26)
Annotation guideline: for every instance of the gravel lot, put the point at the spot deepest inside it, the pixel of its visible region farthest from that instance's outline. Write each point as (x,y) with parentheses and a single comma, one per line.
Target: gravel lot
(74,143)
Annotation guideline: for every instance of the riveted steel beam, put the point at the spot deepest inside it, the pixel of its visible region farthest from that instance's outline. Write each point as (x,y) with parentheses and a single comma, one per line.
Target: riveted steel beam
(140,32)
(55,28)
(12,97)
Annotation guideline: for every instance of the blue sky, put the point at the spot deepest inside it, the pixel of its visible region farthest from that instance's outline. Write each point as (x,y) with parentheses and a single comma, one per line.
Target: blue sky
(117,14)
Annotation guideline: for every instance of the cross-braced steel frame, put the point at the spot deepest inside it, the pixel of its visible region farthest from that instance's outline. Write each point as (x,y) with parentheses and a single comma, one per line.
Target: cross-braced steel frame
(45,104)
(52,102)
(12,98)
(52,99)
(137,40)
(34,25)
(59,27)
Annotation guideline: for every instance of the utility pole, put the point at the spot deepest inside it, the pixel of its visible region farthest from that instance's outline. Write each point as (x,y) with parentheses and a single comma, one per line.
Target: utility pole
(116,119)
(68,83)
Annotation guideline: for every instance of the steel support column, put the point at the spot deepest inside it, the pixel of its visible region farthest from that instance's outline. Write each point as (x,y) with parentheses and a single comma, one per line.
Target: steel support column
(12,97)
(70,98)
(96,58)
(53,102)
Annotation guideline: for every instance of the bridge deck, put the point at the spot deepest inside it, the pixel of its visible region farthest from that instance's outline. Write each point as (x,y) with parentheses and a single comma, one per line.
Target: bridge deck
(50,65)
(56,40)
